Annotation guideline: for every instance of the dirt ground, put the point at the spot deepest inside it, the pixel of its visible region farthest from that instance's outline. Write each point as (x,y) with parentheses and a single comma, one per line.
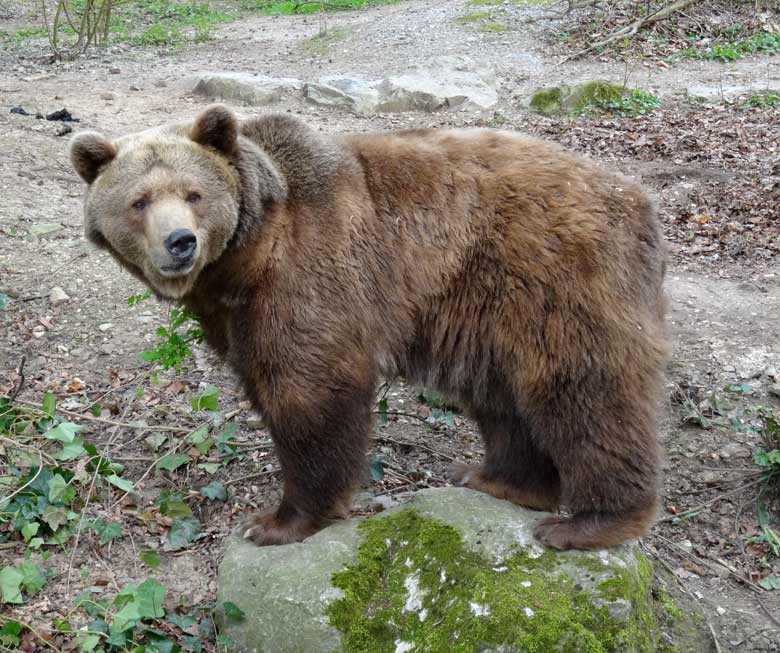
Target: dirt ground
(720,209)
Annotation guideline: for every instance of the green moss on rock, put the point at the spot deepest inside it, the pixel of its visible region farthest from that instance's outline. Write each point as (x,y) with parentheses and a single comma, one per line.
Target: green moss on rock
(596,95)
(454,571)
(416,587)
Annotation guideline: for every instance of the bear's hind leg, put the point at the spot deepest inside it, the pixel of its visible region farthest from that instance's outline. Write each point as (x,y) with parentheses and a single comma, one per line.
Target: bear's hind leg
(514,468)
(602,440)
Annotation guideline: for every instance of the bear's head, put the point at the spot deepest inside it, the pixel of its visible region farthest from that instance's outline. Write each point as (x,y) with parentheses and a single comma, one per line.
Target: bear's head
(165,202)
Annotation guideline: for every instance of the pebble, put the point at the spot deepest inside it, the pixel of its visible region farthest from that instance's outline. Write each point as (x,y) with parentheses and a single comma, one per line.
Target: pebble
(774,389)
(114,71)
(58,296)
(734,450)
(105,326)
(711,477)
(107,96)
(133,87)
(160,83)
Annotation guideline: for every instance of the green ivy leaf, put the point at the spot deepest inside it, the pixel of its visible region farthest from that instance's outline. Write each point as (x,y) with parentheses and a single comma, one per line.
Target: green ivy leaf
(10,634)
(29,530)
(49,404)
(64,432)
(214,490)
(60,491)
(173,461)
(150,559)
(121,483)
(150,595)
(10,585)
(89,642)
(381,407)
(71,450)
(106,531)
(155,441)
(232,611)
(54,516)
(377,469)
(207,400)
(770,583)
(209,468)
(182,621)
(183,532)
(175,508)
(32,578)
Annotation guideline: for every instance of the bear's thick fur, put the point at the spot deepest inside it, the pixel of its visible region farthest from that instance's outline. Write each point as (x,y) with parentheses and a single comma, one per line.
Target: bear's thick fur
(521,280)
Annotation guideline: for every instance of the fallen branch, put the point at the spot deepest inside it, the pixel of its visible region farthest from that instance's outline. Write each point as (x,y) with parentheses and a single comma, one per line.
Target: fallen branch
(630,30)
(696,509)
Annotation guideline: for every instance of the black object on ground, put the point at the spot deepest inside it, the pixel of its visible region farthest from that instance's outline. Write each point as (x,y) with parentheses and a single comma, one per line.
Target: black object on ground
(62,115)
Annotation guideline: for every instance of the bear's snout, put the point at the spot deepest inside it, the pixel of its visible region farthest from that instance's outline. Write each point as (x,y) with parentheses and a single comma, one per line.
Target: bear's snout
(181,245)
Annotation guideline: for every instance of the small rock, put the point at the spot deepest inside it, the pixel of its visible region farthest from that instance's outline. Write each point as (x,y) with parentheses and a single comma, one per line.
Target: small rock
(721,611)
(39,331)
(254,421)
(160,83)
(686,545)
(58,296)
(774,389)
(105,326)
(133,87)
(711,477)
(107,96)
(244,88)
(114,71)
(384,502)
(734,450)
(43,229)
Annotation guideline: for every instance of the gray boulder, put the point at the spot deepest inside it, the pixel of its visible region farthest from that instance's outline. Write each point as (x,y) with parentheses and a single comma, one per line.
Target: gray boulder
(452,570)
(345,92)
(243,88)
(730,93)
(452,82)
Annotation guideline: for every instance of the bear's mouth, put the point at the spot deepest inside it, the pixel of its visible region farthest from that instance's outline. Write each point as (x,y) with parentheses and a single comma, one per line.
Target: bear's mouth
(176,269)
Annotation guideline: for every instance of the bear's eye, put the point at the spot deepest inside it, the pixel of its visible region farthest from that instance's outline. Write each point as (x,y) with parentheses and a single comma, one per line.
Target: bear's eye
(140,204)
(193,197)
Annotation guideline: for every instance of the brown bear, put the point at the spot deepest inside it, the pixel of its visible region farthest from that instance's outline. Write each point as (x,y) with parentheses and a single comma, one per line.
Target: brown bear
(521,280)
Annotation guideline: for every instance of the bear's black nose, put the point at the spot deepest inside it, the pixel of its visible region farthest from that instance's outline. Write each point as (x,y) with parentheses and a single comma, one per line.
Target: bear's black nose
(181,243)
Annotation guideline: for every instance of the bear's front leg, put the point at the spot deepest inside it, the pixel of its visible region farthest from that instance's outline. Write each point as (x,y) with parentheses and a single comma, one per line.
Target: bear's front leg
(321,439)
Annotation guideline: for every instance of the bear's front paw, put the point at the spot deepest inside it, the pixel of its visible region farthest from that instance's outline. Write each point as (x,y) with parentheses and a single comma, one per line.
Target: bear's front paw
(265,529)
(557,532)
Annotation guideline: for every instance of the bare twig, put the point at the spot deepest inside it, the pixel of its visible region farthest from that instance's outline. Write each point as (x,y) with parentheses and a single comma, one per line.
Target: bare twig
(19,385)
(111,422)
(382,438)
(718,649)
(695,509)
(247,477)
(630,30)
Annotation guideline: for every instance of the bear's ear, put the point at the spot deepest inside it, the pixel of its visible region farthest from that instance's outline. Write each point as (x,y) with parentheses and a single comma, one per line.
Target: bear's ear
(216,127)
(89,152)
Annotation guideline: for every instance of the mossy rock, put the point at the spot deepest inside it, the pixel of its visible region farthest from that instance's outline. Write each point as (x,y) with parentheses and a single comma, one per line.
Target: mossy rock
(454,571)
(570,100)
